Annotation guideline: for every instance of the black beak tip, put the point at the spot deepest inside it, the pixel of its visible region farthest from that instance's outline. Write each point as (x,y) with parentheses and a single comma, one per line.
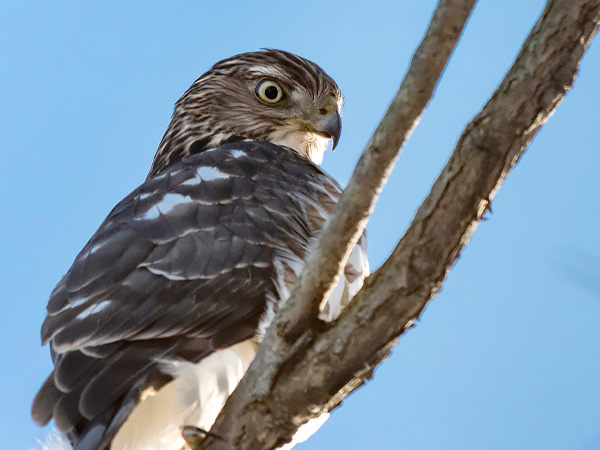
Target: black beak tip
(335,139)
(335,129)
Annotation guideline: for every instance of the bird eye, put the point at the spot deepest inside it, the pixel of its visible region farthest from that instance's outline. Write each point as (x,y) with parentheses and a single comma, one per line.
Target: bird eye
(269,91)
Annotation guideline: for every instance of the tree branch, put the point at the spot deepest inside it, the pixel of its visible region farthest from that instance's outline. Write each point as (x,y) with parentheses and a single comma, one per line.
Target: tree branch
(352,212)
(302,369)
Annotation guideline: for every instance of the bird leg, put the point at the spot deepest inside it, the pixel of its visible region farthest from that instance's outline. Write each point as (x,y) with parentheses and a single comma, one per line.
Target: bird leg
(194,436)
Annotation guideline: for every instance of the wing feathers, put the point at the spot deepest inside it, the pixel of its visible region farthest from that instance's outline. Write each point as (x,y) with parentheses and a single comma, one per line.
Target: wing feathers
(182,266)
(44,401)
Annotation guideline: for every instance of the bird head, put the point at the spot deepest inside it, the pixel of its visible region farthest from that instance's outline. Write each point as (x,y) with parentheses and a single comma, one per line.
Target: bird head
(270,95)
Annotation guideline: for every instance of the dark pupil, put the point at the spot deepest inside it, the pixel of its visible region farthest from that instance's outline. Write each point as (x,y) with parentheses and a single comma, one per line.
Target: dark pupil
(271,92)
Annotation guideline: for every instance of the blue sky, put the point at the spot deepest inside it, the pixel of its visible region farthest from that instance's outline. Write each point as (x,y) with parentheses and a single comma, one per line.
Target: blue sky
(507,356)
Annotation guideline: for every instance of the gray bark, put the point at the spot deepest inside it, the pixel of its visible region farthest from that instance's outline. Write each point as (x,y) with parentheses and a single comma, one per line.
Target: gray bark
(305,368)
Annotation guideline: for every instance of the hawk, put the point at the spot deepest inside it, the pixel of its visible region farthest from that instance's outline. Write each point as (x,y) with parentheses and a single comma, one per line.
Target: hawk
(161,313)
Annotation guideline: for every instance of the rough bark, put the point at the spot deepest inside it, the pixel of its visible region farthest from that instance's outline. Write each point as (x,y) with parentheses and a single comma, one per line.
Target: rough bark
(302,371)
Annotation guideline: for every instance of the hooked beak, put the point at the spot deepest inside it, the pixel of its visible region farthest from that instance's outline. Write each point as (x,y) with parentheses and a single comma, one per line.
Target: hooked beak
(329,127)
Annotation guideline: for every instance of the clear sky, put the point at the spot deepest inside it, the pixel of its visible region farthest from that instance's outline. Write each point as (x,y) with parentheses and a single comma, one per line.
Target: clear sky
(506,357)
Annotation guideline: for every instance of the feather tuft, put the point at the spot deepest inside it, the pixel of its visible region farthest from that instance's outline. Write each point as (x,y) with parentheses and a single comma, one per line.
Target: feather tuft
(55,440)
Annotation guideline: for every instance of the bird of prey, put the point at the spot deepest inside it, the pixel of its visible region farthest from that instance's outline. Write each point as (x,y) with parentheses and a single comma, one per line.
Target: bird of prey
(162,311)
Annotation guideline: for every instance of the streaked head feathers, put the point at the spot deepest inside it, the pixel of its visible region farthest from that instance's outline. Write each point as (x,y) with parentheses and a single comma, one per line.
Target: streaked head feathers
(270,95)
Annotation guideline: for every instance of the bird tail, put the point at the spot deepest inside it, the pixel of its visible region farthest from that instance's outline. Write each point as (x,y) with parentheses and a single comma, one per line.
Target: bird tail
(55,440)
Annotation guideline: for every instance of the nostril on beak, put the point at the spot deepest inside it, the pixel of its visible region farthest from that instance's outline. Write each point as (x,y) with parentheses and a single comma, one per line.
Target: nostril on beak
(324,111)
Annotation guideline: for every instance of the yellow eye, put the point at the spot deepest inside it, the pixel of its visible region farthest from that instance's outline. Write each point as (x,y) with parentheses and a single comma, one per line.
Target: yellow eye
(269,91)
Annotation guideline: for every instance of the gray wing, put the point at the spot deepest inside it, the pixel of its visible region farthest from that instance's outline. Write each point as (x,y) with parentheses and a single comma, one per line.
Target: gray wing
(181,267)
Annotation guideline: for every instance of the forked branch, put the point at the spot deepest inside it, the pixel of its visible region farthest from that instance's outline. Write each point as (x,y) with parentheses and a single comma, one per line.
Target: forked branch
(302,369)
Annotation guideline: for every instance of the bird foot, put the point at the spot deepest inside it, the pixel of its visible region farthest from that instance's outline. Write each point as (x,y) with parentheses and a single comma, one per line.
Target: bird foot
(194,436)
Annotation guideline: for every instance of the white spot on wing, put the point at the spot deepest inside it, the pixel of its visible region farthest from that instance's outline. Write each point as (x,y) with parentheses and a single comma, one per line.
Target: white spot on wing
(94,309)
(76,303)
(210,173)
(161,176)
(168,202)
(206,174)
(152,213)
(170,276)
(97,247)
(193,181)
(102,305)
(237,153)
